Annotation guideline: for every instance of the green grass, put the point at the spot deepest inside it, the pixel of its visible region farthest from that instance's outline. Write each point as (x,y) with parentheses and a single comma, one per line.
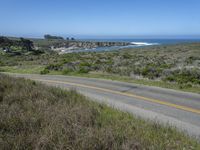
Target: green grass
(35,116)
(36,69)
(24,69)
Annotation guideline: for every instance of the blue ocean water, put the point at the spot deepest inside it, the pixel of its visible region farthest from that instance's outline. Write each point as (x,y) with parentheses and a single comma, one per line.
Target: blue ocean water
(158,41)
(137,42)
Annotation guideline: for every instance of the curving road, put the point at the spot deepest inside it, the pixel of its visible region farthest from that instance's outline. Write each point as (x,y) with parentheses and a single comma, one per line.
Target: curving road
(175,108)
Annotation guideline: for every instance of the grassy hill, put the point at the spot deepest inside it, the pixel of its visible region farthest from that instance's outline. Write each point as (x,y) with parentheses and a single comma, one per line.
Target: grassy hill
(35,116)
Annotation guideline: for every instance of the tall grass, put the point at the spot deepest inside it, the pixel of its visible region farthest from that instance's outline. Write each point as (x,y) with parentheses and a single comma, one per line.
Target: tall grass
(35,116)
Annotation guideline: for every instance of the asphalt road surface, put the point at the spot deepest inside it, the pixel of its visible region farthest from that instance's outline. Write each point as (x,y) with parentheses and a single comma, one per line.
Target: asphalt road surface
(165,106)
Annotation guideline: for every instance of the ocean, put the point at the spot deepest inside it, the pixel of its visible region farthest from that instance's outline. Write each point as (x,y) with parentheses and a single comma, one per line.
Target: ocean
(150,41)
(137,42)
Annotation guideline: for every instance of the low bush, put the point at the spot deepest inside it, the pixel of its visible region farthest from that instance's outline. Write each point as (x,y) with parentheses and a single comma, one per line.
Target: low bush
(66,71)
(56,67)
(45,71)
(184,76)
(83,70)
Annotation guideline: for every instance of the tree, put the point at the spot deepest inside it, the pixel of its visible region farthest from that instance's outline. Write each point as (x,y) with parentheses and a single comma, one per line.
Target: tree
(26,44)
(72,39)
(47,36)
(5,42)
(50,37)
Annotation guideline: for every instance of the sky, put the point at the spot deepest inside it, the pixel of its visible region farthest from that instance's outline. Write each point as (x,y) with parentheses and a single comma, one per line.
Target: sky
(101,18)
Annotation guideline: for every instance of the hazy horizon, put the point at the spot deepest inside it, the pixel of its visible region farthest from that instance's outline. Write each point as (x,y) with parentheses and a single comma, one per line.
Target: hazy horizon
(108,37)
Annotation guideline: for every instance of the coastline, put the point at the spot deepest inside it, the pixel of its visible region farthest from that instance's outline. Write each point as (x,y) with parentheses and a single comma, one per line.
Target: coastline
(119,44)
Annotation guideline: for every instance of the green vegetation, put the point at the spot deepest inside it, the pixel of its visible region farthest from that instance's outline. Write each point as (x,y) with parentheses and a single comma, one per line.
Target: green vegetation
(178,64)
(35,116)
(175,66)
(34,69)
(50,37)
(12,45)
(163,84)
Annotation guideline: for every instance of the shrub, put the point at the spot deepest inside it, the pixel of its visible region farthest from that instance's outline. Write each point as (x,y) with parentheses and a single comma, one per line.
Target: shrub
(83,70)
(45,71)
(1,63)
(85,64)
(151,72)
(1,70)
(184,76)
(66,71)
(55,67)
(126,55)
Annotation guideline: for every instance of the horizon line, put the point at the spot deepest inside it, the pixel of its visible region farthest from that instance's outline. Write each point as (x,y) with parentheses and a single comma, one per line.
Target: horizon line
(108,36)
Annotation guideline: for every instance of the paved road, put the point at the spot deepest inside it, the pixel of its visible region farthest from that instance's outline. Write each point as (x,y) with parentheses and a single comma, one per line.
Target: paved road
(179,109)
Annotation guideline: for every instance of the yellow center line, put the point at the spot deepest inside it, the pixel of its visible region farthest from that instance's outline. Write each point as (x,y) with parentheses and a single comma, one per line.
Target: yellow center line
(185,108)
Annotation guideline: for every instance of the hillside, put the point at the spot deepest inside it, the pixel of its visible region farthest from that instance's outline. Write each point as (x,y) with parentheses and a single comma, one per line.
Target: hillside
(34,116)
(169,66)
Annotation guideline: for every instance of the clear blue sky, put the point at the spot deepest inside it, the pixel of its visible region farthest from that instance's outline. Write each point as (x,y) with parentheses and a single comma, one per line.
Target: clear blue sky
(102,18)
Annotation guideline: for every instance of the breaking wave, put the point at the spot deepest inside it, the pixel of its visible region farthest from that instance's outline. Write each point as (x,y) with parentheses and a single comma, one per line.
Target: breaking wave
(143,43)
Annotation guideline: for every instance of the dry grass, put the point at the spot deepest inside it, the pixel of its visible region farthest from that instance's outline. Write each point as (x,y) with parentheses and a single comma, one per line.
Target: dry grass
(34,116)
